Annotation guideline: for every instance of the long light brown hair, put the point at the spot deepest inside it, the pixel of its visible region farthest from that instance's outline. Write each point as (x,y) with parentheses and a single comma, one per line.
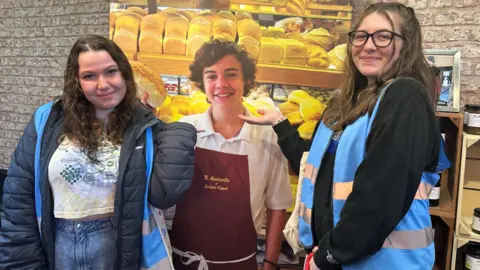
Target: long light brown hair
(81,125)
(341,110)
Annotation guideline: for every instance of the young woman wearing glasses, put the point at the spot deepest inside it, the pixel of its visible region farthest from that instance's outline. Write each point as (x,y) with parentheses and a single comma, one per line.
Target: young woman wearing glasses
(375,154)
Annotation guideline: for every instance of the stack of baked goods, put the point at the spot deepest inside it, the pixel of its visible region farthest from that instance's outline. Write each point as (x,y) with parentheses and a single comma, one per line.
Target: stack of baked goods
(151,33)
(249,36)
(127,27)
(176,29)
(304,111)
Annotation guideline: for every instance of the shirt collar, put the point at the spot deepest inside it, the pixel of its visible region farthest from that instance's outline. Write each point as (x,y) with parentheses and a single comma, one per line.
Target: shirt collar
(205,123)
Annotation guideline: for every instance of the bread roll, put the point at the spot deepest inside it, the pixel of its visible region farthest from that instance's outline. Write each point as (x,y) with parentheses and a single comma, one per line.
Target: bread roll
(138,10)
(194,43)
(297,96)
(270,51)
(200,27)
(147,80)
(126,40)
(249,28)
(306,129)
(174,45)
(150,42)
(251,45)
(227,15)
(317,57)
(176,26)
(264,31)
(153,23)
(224,27)
(288,107)
(294,118)
(294,35)
(311,109)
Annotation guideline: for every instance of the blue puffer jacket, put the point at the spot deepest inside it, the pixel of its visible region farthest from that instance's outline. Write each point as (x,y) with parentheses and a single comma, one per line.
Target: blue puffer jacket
(20,244)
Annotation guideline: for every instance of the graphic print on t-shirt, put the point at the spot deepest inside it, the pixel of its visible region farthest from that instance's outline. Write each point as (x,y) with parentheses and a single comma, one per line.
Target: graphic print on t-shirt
(88,179)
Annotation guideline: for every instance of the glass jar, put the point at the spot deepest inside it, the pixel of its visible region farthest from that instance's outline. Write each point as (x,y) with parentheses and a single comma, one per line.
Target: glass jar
(476,221)
(472,259)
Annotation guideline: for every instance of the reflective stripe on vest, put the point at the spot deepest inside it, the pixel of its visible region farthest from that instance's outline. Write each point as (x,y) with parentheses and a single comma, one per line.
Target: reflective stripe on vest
(341,190)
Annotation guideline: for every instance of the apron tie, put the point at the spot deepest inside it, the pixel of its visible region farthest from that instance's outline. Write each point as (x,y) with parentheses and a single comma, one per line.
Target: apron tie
(203,263)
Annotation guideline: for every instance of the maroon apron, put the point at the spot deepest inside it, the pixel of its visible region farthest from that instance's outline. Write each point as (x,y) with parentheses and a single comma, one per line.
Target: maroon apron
(214,220)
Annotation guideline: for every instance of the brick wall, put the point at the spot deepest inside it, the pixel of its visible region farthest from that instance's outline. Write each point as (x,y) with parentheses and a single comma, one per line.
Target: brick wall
(35,39)
(451,24)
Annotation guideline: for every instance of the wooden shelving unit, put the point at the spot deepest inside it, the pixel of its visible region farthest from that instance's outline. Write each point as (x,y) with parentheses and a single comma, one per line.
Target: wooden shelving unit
(468,198)
(446,211)
(266,73)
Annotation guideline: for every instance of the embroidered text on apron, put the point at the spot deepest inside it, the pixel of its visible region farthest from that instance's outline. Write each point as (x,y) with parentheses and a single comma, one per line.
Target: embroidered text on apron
(213,226)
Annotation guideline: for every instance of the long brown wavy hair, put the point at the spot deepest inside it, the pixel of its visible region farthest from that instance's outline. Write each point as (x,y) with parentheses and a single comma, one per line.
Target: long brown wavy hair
(81,125)
(341,110)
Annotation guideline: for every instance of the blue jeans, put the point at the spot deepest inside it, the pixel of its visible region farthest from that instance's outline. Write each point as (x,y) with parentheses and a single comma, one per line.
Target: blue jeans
(85,245)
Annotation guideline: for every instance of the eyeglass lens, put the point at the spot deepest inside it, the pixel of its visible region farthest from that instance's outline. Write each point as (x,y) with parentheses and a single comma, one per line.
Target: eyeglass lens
(380,38)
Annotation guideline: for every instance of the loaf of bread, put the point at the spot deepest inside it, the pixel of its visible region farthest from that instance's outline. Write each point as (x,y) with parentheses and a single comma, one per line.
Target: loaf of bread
(176,26)
(188,14)
(275,32)
(174,45)
(247,27)
(212,17)
(126,40)
(200,27)
(225,28)
(337,56)
(150,42)
(153,23)
(242,15)
(319,37)
(147,80)
(317,57)
(227,15)
(294,52)
(270,51)
(251,45)
(127,21)
(194,43)
(138,10)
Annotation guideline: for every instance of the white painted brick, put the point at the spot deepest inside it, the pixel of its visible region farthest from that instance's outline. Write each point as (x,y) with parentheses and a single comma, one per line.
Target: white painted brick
(467,3)
(456,17)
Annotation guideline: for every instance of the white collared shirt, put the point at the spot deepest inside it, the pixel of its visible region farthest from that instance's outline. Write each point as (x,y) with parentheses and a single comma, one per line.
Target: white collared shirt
(267,167)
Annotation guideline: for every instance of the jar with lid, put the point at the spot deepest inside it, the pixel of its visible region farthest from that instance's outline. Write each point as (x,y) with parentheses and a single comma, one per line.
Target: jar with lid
(472,119)
(476,221)
(472,259)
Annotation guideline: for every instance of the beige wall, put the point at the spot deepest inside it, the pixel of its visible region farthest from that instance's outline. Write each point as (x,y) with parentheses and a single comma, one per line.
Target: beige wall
(36,35)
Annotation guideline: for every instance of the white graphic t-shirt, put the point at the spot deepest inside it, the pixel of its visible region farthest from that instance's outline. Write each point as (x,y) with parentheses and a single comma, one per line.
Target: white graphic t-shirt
(80,187)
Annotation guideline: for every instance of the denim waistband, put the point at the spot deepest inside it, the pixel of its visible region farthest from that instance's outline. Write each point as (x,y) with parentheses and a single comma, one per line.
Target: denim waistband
(71,226)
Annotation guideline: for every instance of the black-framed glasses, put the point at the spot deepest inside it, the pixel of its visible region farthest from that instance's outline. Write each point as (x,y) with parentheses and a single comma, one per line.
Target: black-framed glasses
(381,38)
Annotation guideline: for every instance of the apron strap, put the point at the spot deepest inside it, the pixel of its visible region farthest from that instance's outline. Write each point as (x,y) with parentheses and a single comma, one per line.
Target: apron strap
(203,263)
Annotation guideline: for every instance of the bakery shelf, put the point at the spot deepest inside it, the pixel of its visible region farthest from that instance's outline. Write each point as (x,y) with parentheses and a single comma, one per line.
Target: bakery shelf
(258,3)
(474,185)
(265,12)
(466,229)
(266,73)
(330,7)
(131,56)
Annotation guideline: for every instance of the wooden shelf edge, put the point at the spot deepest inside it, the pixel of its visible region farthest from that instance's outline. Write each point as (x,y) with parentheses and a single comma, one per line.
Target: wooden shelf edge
(266,73)
(330,7)
(444,213)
